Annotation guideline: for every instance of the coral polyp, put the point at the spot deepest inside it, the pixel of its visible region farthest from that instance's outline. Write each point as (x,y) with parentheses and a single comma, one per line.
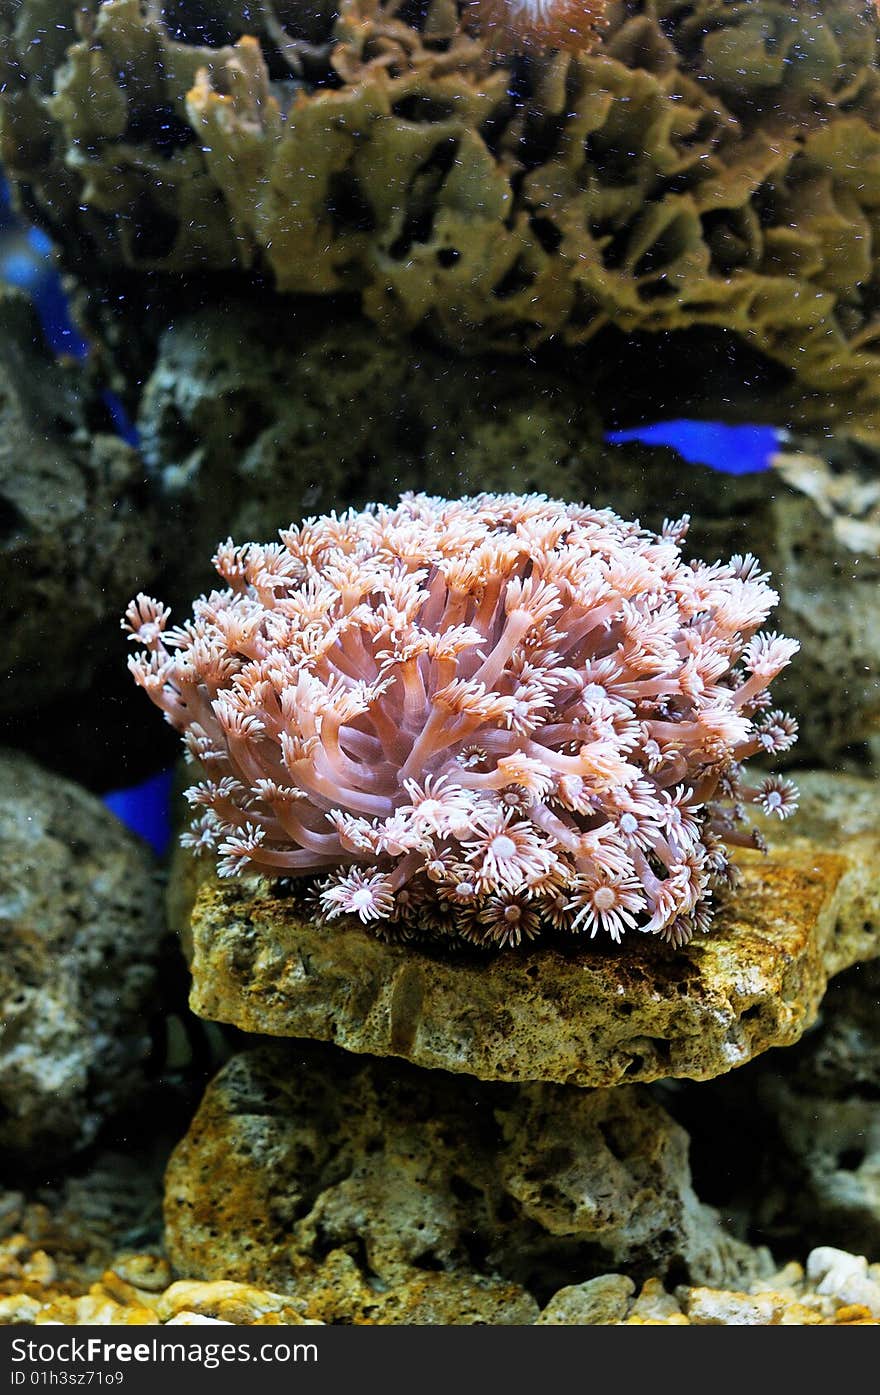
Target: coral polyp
(484,719)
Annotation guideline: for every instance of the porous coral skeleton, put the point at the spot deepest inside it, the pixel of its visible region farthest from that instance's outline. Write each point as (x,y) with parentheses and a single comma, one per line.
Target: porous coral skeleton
(477,718)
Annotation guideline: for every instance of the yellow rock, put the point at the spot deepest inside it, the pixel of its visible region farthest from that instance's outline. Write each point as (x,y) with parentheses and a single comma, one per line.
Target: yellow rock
(586,1014)
(424,1189)
(148,1273)
(789,1298)
(226,1301)
(187,1319)
(653,1304)
(841,813)
(18,1307)
(716,1307)
(95,1307)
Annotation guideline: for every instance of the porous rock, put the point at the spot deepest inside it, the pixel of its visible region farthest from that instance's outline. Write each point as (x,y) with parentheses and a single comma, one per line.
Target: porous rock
(362,1186)
(786,1299)
(841,813)
(75,527)
(598,1301)
(58,1266)
(245,431)
(830,1155)
(816,1100)
(589,1014)
(820,1102)
(82,921)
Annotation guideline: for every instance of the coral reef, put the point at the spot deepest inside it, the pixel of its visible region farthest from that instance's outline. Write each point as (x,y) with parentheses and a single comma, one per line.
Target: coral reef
(690,172)
(82,925)
(486,717)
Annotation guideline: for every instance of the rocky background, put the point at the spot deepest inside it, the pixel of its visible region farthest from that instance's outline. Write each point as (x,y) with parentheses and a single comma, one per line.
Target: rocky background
(481,323)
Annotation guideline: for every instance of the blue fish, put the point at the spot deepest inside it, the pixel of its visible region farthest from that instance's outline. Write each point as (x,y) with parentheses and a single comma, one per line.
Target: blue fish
(146,809)
(732,450)
(26,262)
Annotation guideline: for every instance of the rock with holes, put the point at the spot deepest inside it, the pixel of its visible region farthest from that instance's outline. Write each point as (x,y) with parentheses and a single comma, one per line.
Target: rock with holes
(829,1161)
(75,526)
(82,922)
(584,1013)
(598,1302)
(824,1103)
(818,1099)
(244,430)
(841,1055)
(838,1289)
(841,813)
(363,1186)
(370,150)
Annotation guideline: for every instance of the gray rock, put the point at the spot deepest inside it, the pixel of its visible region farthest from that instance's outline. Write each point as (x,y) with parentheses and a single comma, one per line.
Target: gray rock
(841,1056)
(301,1157)
(245,430)
(602,1300)
(81,921)
(75,525)
(831,1148)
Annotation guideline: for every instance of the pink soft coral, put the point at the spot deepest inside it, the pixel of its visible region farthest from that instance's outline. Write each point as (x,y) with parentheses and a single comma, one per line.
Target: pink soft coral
(482,717)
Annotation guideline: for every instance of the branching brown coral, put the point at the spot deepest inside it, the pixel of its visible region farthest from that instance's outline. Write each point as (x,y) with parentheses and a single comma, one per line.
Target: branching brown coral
(484,717)
(711,165)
